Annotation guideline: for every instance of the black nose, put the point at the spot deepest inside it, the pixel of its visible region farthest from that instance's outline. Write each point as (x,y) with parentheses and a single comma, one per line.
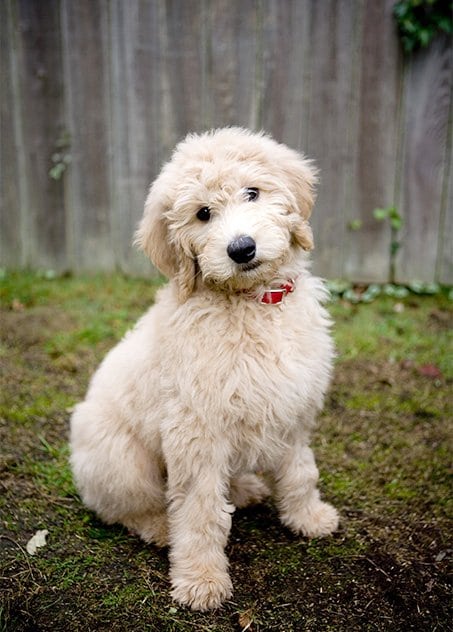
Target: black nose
(242,249)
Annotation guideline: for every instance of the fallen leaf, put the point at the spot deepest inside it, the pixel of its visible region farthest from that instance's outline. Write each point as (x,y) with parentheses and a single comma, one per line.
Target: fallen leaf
(429,585)
(430,370)
(440,556)
(246,619)
(17,306)
(37,541)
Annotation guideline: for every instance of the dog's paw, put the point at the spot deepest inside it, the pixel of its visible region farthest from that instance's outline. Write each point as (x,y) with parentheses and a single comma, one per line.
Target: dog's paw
(248,489)
(314,520)
(205,593)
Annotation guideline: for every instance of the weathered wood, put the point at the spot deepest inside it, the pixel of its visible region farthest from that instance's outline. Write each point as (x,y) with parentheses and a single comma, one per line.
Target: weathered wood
(286,71)
(375,150)
(444,271)
(39,103)
(185,66)
(231,54)
(427,98)
(333,45)
(122,82)
(11,253)
(86,74)
(135,115)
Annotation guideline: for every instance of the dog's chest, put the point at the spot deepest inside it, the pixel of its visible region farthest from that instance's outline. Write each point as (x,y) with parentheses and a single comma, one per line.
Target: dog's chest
(244,375)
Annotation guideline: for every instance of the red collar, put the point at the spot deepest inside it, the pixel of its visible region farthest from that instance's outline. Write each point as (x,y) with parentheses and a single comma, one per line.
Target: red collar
(275,296)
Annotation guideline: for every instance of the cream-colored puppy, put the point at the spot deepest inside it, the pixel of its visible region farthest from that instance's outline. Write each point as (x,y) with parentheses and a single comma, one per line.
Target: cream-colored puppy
(223,377)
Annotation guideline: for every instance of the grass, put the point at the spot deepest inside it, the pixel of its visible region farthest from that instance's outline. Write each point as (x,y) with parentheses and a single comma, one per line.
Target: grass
(382,446)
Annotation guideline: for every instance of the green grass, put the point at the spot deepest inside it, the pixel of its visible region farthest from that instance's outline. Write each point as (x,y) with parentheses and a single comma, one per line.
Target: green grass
(383,448)
(376,331)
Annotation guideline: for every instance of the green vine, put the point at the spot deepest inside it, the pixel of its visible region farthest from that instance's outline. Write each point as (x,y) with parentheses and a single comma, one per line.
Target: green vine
(420,20)
(396,222)
(61,158)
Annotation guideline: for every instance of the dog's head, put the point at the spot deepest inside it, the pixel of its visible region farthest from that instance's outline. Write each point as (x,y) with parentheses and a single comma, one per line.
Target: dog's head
(231,206)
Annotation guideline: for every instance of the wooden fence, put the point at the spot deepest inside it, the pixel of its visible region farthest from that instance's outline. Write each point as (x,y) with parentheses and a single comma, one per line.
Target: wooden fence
(97,92)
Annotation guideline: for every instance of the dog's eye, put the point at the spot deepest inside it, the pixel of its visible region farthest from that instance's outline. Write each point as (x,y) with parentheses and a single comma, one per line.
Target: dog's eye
(204,214)
(252,194)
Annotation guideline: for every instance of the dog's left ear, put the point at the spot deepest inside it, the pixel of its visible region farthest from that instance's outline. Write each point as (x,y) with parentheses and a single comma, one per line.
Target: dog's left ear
(303,235)
(301,177)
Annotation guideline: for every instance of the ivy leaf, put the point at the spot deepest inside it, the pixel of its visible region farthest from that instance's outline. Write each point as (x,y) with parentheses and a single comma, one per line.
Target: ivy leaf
(355,224)
(396,222)
(57,171)
(380,213)
(424,37)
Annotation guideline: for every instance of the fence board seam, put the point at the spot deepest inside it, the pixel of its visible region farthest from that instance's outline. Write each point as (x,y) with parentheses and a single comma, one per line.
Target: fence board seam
(446,184)
(23,192)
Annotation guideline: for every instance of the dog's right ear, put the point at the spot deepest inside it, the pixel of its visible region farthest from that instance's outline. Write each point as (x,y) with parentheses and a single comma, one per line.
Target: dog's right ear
(152,236)
(152,233)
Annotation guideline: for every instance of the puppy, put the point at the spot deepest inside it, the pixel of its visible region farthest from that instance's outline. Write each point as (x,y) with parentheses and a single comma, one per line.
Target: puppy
(224,375)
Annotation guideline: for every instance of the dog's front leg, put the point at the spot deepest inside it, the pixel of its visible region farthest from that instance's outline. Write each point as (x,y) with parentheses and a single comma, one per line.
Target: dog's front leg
(199,522)
(297,495)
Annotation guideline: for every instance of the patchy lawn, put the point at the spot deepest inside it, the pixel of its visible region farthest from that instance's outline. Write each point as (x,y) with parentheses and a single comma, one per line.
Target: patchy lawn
(382,448)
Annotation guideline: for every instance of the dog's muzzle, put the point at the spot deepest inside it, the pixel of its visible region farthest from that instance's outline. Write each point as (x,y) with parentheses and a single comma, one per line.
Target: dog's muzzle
(242,249)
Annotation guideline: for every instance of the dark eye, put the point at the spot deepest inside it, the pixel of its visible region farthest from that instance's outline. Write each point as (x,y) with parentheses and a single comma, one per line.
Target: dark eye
(204,214)
(252,194)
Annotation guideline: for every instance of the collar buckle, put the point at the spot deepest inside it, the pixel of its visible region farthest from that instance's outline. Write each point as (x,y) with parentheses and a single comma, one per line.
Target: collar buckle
(275,296)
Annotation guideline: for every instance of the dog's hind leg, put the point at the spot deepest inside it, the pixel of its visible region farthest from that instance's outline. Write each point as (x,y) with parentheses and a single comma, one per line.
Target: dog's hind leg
(151,527)
(248,489)
(297,495)
(117,476)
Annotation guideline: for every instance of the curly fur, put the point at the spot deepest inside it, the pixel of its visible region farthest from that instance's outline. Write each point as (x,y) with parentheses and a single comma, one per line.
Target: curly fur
(212,385)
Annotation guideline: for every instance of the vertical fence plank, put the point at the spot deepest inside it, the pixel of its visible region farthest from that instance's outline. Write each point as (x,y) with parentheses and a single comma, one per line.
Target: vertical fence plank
(445,244)
(86,88)
(10,189)
(427,99)
(285,91)
(367,250)
(135,116)
(230,45)
(185,66)
(39,103)
(334,33)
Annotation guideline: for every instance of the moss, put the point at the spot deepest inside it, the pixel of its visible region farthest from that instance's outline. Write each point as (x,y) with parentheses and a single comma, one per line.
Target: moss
(375,331)
(338,547)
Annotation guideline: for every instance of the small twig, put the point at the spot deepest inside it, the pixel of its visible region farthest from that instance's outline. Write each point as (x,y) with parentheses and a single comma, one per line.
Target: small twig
(58,500)
(22,550)
(378,568)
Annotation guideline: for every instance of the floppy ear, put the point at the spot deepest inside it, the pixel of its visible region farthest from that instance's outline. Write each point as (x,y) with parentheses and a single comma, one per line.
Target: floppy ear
(152,236)
(303,235)
(301,177)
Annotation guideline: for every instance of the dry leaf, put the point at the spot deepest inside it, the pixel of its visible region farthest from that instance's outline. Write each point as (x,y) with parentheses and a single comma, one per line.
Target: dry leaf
(246,619)
(37,541)
(430,370)
(17,306)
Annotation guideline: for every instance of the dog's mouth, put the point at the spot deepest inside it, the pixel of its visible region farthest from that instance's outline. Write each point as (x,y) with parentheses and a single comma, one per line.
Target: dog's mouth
(247,267)
(241,276)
